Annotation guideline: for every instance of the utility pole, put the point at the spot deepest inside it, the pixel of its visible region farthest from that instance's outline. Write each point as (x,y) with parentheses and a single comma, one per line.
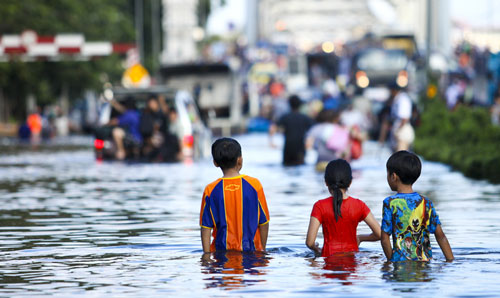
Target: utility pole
(428,35)
(156,35)
(139,28)
(252,30)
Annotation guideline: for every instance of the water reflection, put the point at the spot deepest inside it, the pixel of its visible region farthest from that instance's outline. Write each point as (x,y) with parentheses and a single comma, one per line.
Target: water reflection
(407,272)
(232,269)
(338,266)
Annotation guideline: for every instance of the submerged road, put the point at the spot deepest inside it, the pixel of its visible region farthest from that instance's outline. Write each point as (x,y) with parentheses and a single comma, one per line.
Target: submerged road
(72,226)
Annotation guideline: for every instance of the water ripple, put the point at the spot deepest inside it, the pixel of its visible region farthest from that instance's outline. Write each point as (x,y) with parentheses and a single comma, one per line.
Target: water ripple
(71,226)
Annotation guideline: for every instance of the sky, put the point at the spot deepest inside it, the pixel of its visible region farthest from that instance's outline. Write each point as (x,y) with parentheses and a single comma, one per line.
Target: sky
(233,12)
(476,12)
(472,12)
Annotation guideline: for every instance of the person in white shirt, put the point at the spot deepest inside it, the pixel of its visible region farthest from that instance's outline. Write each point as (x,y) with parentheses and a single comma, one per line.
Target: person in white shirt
(402,133)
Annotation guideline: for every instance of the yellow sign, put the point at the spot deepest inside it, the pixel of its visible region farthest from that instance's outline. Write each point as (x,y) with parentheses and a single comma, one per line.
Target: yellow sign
(136,76)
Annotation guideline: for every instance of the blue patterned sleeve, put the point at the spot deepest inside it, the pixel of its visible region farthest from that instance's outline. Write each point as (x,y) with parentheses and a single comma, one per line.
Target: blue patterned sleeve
(434,219)
(386,217)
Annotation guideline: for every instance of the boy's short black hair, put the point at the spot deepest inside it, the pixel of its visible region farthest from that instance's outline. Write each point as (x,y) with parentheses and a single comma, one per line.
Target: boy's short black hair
(225,152)
(406,165)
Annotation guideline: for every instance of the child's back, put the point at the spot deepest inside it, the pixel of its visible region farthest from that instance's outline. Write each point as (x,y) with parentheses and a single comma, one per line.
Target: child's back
(339,215)
(410,218)
(340,235)
(234,208)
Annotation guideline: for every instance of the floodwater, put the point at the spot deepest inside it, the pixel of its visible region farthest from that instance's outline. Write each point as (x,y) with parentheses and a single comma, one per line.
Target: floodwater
(70,226)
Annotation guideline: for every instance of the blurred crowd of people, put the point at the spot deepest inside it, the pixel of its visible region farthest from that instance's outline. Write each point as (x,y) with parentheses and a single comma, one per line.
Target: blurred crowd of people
(150,134)
(44,124)
(336,125)
(475,81)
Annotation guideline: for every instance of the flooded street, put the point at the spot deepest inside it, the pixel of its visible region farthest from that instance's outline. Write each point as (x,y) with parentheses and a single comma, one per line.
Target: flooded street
(72,226)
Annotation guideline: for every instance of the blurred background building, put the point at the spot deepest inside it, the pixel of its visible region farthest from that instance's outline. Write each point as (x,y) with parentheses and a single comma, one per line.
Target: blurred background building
(309,23)
(412,16)
(179,29)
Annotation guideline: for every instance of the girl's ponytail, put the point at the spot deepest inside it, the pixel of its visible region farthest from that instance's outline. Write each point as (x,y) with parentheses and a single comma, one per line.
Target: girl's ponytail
(338,176)
(337,200)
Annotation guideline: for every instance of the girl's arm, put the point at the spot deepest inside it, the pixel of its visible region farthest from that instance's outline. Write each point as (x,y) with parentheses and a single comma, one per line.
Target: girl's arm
(312,232)
(374,226)
(443,243)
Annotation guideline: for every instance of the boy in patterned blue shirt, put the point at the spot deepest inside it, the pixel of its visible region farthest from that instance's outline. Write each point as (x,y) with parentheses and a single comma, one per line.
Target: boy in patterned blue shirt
(408,216)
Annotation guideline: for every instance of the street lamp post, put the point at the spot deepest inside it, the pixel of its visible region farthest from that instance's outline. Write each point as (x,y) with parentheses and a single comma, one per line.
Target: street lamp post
(139,28)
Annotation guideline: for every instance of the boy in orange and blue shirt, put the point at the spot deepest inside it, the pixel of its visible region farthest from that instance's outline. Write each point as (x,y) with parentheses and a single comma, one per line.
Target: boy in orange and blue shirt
(233,206)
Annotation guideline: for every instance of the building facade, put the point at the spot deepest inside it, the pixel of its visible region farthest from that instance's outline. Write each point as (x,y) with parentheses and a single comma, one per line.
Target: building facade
(179,23)
(310,23)
(412,17)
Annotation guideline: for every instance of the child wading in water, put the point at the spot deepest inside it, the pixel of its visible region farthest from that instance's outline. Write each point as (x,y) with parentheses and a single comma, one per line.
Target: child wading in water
(408,216)
(233,206)
(339,215)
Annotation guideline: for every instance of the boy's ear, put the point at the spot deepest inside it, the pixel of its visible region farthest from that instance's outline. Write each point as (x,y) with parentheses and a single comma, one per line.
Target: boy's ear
(239,162)
(394,177)
(215,163)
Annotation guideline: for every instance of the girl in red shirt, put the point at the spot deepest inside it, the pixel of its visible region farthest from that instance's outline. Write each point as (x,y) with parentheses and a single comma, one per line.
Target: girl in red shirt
(339,215)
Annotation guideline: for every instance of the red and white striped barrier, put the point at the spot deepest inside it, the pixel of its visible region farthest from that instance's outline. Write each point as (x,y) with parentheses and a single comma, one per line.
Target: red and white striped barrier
(30,46)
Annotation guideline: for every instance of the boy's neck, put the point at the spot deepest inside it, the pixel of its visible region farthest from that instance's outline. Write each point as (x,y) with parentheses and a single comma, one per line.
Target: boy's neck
(405,188)
(230,173)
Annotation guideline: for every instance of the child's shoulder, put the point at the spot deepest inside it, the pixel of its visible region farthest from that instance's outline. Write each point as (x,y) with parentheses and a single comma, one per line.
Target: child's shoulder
(212,185)
(355,199)
(407,197)
(397,196)
(357,203)
(254,182)
(323,201)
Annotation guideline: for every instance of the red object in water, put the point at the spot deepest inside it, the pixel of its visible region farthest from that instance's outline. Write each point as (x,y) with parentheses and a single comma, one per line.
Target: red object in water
(98,144)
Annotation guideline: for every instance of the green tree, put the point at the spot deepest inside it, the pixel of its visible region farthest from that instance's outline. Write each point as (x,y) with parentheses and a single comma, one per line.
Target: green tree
(98,20)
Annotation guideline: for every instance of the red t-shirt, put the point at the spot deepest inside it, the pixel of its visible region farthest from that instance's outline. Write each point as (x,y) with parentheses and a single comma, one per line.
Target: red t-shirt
(340,236)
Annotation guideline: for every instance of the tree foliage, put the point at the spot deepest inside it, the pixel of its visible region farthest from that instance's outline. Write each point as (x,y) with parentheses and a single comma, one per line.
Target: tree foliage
(98,20)
(463,138)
